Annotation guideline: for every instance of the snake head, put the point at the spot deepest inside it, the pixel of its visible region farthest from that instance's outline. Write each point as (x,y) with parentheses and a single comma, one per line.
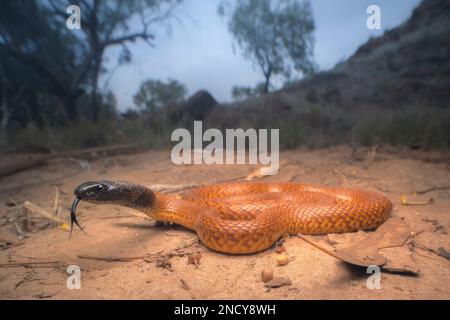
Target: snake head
(112,192)
(91,191)
(95,191)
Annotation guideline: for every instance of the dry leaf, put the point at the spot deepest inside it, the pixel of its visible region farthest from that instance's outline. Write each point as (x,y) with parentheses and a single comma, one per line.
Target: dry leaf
(361,248)
(399,261)
(280,249)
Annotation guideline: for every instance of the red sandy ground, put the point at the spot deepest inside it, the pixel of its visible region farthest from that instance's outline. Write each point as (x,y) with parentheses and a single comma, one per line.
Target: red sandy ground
(314,274)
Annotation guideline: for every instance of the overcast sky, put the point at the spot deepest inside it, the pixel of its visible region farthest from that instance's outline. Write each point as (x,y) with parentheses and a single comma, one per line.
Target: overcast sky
(198,51)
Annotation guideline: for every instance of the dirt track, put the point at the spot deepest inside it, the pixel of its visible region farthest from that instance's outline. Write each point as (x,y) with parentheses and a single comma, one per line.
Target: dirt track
(114,232)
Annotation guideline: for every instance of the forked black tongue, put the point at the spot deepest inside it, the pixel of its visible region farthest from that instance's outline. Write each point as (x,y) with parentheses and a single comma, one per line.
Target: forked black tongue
(73,217)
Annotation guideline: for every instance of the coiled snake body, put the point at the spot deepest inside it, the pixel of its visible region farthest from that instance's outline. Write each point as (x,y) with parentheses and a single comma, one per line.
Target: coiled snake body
(248,217)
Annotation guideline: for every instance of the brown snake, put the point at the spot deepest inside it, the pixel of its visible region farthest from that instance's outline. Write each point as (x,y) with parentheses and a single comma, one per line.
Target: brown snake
(247,217)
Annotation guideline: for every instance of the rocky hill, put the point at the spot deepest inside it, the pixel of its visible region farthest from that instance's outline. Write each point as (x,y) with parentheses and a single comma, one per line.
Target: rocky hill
(407,65)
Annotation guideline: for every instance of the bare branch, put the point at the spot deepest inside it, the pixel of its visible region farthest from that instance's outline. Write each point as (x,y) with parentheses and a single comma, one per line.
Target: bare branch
(130,37)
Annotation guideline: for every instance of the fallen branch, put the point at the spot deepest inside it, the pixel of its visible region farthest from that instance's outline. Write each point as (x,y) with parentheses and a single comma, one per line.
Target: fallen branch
(36,183)
(23,165)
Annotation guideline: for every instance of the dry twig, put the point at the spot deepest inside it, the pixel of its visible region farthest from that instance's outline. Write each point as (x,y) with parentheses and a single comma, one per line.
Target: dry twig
(432,189)
(148,258)
(111,258)
(35,264)
(31,207)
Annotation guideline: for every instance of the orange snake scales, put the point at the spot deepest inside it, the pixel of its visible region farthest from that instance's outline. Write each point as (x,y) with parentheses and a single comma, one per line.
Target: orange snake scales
(247,217)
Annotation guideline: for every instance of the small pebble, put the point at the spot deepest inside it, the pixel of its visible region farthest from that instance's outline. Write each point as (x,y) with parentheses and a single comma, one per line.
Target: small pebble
(266,275)
(282,259)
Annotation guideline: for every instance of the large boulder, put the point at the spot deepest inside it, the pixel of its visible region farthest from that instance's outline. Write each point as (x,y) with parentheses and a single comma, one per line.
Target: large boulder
(197,107)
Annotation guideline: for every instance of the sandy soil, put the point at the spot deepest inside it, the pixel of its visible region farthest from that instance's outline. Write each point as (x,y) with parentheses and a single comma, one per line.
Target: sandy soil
(112,231)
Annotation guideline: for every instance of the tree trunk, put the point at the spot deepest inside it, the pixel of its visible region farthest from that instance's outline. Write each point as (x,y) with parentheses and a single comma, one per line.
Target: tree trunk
(266,85)
(267,75)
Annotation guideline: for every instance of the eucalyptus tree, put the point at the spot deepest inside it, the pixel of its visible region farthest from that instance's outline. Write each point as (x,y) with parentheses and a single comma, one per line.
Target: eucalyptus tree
(276,35)
(34,33)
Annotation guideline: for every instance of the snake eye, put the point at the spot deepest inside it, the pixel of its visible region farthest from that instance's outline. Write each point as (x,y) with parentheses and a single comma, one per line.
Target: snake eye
(95,190)
(91,189)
